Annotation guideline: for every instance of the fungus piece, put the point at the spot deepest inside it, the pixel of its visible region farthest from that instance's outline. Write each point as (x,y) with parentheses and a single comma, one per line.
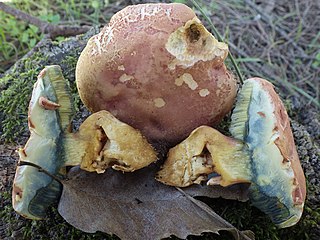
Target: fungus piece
(47,104)
(278,185)
(152,50)
(124,78)
(188,80)
(205,151)
(37,190)
(261,153)
(101,142)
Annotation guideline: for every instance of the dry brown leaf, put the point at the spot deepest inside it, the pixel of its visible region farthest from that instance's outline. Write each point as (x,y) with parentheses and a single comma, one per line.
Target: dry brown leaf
(136,206)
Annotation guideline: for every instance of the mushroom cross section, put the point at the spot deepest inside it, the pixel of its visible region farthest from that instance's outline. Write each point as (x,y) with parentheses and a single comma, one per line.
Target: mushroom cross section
(49,115)
(261,153)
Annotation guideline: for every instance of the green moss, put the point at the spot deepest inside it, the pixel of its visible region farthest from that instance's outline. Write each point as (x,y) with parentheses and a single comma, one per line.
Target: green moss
(14,98)
(16,86)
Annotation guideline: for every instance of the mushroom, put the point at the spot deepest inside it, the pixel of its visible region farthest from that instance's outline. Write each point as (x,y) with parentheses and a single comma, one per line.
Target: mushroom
(101,142)
(261,153)
(156,68)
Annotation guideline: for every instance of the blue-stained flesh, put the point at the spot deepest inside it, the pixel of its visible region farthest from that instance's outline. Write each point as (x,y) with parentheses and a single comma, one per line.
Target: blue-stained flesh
(33,191)
(44,197)
(272,181)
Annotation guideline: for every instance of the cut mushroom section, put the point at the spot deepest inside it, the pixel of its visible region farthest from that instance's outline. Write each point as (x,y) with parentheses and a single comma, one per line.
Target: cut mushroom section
(263,153)
(205,151)
(108,142)
(101,142)
(278,183)
(50,112)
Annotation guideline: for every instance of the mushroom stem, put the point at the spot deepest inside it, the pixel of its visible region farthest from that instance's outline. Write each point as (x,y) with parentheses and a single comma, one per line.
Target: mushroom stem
(103,141)
(204,152)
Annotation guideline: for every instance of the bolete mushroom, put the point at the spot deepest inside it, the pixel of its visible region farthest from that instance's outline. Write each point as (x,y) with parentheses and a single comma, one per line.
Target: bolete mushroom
(101,142)
(261,153)
(156,68)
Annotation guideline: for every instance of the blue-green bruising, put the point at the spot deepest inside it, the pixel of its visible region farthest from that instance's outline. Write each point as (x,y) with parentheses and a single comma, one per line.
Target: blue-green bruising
(49,194)
(43,149)
(269,189)
(46,196)
(269,205)
(254,123)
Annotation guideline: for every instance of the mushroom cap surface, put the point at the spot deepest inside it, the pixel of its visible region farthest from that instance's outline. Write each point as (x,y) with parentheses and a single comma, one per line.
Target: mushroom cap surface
(156,68)
(278,184)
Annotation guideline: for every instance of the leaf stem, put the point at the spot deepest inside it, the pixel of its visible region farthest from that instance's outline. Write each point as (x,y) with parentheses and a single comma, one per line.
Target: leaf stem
(24,163)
